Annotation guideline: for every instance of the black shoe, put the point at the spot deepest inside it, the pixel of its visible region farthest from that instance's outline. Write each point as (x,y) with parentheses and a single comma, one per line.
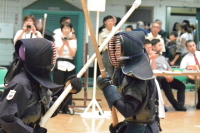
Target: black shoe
(198,106)
(180,108)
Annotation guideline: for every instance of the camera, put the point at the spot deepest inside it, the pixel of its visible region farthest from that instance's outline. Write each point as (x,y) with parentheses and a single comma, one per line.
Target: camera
(29,26)
(65,38)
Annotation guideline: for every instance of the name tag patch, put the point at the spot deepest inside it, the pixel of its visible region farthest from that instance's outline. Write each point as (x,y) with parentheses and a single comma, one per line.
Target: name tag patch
(11,94)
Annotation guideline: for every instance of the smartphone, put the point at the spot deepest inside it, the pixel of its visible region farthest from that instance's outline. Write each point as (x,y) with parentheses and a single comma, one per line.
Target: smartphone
(29,26)
(65,38)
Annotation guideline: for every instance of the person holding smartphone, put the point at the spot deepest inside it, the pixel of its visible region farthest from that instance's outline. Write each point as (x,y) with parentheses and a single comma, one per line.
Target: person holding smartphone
(66,47)
(28,30)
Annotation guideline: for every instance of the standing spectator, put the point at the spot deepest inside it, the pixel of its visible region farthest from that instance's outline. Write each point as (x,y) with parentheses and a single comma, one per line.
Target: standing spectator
(193,30)
(155,28)
(108,24)
(39,27)
(66,47)
(58,31)
(147,26)
(28,29)
(140,27)
(129,28)
(168,82)
(161,32)
(187,23)
(191,58)
(177,28)
(186,35)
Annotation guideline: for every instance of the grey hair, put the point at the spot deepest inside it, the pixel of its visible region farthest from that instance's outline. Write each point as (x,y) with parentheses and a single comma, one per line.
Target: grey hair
(140,24)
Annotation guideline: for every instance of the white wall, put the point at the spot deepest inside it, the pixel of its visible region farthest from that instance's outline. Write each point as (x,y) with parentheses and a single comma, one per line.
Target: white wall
(113,7)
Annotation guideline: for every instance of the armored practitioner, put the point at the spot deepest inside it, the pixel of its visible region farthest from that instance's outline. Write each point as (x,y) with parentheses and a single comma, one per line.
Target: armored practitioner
(26,97)
(136,97)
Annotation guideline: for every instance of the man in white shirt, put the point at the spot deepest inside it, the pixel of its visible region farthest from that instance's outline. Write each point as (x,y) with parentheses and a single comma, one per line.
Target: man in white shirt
(155,29)
(109,26)
(191,58)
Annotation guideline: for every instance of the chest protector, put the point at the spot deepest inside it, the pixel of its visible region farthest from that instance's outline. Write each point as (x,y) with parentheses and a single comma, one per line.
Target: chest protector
(149,108)
(37,105)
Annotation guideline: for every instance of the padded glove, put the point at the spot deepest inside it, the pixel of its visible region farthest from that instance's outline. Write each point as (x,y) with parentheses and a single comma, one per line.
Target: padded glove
(102,83)
(75,83)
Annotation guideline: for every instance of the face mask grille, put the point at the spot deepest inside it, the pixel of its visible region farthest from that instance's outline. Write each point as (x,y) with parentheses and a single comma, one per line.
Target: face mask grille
(114,50)
(54,54)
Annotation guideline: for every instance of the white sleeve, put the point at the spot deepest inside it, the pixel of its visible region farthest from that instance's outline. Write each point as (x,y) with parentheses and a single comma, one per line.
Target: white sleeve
(58,41)
(183,63)
(163,45)
(39,34)
(16,36)
(100,39)
(73,43)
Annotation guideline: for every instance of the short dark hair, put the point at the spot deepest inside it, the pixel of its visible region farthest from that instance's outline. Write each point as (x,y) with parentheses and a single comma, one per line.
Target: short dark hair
(155,41)
(65,24)
(130,26)
(147,41)
(107,17)
(188,41)
(63,19)
(174,33)
(28,17)
(146,24)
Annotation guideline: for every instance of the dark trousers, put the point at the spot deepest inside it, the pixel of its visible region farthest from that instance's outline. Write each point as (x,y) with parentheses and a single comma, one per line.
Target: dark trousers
(60,77)
(167,88)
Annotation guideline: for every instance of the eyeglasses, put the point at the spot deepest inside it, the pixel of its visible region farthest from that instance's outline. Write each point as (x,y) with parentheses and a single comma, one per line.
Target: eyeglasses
(156,27)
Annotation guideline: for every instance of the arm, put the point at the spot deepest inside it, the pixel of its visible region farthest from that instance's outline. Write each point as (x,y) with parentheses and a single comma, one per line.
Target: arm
(11,110)
(127,107)
(36,33)
(175,59)
(153,65)
(18,36)
(73,34)
(182,44)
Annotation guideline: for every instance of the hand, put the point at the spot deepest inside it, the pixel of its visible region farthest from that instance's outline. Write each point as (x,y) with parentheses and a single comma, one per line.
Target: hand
(153,55)
(39,129)
(75,83)
(169,78)
(102,83)
(33,29)
(24,27)
(172,63)
(65,42)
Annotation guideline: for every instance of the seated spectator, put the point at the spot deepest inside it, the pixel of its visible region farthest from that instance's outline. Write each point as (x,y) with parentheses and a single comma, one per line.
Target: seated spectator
(155,28)
(168,82)
(191,58)
(129,28)
(173,49)
(147,26)
(140,27)
(152,54)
